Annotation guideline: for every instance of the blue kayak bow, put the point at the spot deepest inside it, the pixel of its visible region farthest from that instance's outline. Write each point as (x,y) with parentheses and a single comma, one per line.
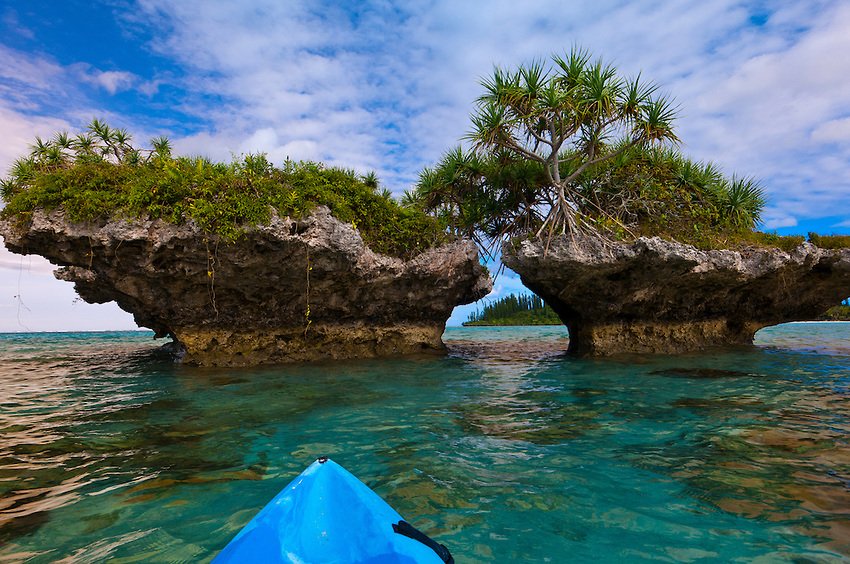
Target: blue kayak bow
(327,515)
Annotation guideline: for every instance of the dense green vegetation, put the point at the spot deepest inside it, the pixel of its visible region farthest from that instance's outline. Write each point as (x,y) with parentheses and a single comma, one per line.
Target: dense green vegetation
(837,313)
(99,174)
(573,147)
(515,310)
(830,241)
(840,312)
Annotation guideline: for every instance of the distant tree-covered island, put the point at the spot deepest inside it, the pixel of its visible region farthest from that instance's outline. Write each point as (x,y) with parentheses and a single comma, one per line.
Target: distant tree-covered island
(530,309)
(838,313)
(524,309)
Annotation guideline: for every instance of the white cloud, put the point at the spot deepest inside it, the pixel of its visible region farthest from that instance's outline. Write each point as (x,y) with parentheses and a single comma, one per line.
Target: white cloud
(774,218)
(19,130)
(31,299)
(834,131)
(114,81)
(299,149)
(267,141)
(214,145)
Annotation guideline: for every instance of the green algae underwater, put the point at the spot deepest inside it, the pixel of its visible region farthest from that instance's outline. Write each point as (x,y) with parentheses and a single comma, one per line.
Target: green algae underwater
(504,450)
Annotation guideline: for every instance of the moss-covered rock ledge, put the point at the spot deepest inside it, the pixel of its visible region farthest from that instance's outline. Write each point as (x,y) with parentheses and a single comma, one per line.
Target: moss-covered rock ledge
(288,290)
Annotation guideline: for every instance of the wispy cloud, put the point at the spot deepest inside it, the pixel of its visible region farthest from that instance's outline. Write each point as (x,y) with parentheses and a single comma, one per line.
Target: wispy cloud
(26,80)
(834,131)
(775,218)
(111,81)
(12,23)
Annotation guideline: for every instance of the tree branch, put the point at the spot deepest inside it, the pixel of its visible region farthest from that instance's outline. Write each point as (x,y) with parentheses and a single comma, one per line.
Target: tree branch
(592,162)
(512,144)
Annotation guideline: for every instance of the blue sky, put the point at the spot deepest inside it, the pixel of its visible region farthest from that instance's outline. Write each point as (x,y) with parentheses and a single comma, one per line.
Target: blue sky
(764,88)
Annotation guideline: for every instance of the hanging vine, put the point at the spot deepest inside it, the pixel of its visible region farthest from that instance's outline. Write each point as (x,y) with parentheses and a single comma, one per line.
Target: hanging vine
(307,320)
(212,259)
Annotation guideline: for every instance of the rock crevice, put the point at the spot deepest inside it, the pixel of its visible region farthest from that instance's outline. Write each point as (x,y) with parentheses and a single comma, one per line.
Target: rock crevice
(288,290)
(655,295)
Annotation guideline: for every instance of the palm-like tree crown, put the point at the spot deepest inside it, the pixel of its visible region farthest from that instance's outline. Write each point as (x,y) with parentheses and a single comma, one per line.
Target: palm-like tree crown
(571,146)
(566,117)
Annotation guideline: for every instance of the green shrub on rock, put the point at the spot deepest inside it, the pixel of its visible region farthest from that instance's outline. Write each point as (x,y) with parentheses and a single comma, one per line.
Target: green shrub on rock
(830,241)
(100,175)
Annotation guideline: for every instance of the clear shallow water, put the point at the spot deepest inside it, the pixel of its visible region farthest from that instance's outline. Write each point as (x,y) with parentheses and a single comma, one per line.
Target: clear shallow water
(505,450)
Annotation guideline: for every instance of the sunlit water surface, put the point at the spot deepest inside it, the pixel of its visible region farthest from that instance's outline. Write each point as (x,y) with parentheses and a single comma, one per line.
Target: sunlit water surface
(505,450)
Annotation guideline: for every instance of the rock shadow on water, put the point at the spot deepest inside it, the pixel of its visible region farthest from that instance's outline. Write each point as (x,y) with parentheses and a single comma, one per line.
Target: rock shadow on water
(534,417)
(164,486)
(722,406)
(588,392)
(12,528)
(456,490)
(701,373)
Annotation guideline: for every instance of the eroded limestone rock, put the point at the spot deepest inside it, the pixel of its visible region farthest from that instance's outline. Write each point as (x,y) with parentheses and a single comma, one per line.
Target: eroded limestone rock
(247,302)
(661,296)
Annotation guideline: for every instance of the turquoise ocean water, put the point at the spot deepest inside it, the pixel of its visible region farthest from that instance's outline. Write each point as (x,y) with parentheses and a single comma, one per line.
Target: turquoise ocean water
(505,450)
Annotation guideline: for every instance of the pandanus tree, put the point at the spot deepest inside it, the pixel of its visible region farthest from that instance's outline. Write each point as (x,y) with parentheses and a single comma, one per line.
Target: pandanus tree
(572,147)
(568,117)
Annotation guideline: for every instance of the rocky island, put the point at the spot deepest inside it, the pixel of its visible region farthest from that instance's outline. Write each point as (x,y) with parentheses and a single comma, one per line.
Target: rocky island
(289,290)
(654,295)
(513,310)
(240,264)
(575,175)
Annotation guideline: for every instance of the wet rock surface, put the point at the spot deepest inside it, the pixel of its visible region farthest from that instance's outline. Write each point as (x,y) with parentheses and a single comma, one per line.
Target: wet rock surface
(286,291)
(659,296)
